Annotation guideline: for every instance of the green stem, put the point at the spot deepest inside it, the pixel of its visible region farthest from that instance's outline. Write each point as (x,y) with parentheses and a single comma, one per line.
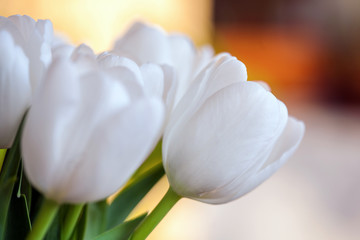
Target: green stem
(71,219)
(2,157)
(154,218)
(43,220)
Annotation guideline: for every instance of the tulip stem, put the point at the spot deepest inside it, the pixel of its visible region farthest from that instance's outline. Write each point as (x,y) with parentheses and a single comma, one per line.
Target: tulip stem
(2,157)
(154,218)
(43,220)
(71,219)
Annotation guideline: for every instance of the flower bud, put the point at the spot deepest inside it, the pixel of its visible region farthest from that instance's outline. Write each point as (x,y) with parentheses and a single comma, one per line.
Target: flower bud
(35,38)
(145,43)
(88,131)
(226,135)
(24,55)
(15,89)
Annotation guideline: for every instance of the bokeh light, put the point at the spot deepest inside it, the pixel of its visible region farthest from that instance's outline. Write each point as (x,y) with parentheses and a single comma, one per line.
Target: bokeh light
(98,23)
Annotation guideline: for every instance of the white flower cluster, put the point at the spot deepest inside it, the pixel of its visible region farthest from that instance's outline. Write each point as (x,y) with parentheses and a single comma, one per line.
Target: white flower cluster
(93,119)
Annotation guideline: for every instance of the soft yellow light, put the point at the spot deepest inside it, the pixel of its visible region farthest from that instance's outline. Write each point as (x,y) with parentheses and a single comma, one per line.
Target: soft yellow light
(98,23)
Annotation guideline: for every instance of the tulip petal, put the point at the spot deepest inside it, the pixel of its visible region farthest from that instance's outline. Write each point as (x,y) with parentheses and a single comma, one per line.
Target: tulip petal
(203,57)
(108,61)
(36,42)
(286,145)
(7,25)
(84,57)
(15,89)
(153,79)
(53,107)
(170,87)
(230,136)
(264,85)
(144,44)
(183,54)
(25,24)
(104,167)
(223,71)
(45,28)
(87,132)
(63,102)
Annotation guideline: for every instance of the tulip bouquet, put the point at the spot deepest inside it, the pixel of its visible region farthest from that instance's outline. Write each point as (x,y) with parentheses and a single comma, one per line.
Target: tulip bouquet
(77,127)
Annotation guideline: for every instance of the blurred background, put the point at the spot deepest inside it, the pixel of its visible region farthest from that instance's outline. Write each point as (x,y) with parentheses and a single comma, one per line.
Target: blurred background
(309,53)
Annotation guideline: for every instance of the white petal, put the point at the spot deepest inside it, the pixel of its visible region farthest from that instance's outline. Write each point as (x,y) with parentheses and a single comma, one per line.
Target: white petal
(66,111)
(36,37)
(35,40)
(203,57)
(223,71)
(85,58)
(15,89)
(7,25)
(200,58)
(286,145)
(45,29)
(33,49)
(85,135)
(153,77)
(54,107)
(143,44)
(108,60)
(126,140)
(264,85)
(81,51)
(183,54)
(62,50)
(170,87)
(229,137)
(25,24)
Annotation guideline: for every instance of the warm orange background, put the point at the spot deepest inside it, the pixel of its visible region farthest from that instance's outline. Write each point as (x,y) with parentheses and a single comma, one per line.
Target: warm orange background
(99,22)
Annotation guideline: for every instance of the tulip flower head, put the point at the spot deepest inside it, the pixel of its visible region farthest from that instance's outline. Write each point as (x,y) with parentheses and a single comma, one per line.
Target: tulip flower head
(88,131)
(145,43)
(15,89)
(156,80)
(24,55)
(226,135)
(35,39)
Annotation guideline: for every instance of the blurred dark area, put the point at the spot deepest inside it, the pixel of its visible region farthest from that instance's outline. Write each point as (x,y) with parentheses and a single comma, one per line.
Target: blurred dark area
(305,49)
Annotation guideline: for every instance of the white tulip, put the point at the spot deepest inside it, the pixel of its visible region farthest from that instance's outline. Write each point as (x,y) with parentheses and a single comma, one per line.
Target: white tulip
(24,55)
(35,39)
(15,89)
(150,44)
(88,131)
(226,135)
(156,80)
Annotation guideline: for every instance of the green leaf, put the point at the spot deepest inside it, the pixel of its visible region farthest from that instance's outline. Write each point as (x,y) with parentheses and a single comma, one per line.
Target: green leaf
(80,228)
(2,157)
(18,221)
(54,231)
(122,231)
(8,177)
(93,220)
(35,204)
(24,188)
(131,195)
(153,160)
